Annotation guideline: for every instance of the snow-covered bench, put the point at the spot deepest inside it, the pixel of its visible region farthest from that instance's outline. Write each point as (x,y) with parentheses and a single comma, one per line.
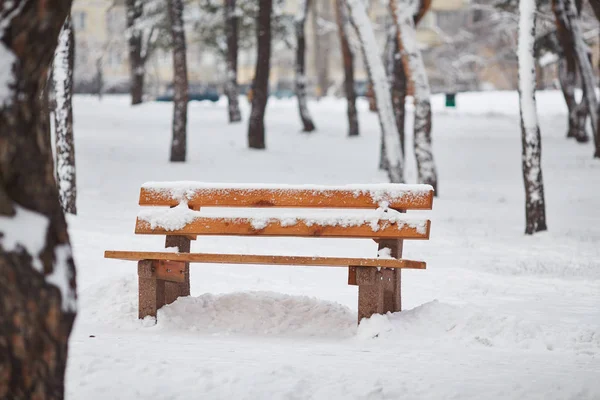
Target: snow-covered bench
(374,211)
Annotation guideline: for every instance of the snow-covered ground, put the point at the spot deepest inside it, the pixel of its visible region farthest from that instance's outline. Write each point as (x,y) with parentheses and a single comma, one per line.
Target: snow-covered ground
(496,315)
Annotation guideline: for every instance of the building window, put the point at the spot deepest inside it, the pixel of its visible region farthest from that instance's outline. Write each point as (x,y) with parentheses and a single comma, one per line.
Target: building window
(79,20)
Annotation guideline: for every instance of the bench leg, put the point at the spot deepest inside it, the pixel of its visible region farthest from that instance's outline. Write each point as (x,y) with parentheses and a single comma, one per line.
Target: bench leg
(173,290)
(370,292)
(392,277)
(151,290)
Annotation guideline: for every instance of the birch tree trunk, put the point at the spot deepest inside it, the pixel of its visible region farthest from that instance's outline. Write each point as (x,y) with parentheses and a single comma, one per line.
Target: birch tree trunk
(307,122)
(256,127)
(180,82)
(404,12)
(231,88)
(535,208)
(137,60)
(37,273)
(566,13)
(348,59)
(64,60)
(381,87)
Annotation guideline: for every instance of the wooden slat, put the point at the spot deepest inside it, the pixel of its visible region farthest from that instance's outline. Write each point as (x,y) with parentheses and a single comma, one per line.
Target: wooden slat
(244,227)
(293,197)
(264,259)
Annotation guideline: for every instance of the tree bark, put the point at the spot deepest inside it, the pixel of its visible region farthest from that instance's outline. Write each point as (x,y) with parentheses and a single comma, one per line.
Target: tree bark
(180,82)
(307,122)
(398,84)
(348,59)
(37,273)
(381,87)
(256,127)
(404,12)
(137,61)
(231,88)
(567,15)
(535,209)
(64,61)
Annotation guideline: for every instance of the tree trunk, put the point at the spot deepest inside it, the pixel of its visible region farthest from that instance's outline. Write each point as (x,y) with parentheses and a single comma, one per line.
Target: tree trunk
(321,49)
(535,209)
(567,15)
(180,82)
(37,273)
(307,123)
(135,10)
(64,60)
(567,74)
(404,12)
(231,88)
(381,87)
(348,58)
(398,84)
(256,127)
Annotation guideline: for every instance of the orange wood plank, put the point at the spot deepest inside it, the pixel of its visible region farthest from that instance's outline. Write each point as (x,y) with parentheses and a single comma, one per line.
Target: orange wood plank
(264,259)
(243,227)
(256,197)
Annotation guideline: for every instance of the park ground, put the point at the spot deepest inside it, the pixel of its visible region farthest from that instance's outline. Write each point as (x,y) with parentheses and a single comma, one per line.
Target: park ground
(496,314)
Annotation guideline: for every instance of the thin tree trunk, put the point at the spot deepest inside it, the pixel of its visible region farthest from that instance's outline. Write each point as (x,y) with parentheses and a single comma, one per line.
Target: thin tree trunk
(348,59)
(321,51)
(307,122)
(256,127)
(535,209)
(37,273)
(387,120)
(404,12)
(567,15)
(567,74)
(231,29)
(135,10)
(180,82)
(64,60)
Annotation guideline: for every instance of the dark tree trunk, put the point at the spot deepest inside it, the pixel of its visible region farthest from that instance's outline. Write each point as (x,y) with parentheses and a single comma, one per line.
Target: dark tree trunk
(231,88)
(416,74)
(567,74)
(37,273)
(64,60)
(348,59)
(180,82)
(307,123)
(256,127)
(535,208)
(137,60)
(397,84)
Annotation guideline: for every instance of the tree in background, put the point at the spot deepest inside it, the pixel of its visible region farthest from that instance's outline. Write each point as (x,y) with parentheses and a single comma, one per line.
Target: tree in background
(256,126)
(37,272)
(62,83)
(535,208)
(307,122)
(180,81)
(231,86)
(373,59)
(348,60)
(404,12)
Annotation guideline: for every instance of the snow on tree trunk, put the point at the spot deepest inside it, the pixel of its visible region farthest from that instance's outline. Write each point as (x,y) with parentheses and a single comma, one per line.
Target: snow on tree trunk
(180,82)
(381,87)
(134,10)
(404,12)
(348,59)
(231,87)
(566,13)
(37,272)
(64,59)
(397,79)
(535,209)
(307,123)
(256,127)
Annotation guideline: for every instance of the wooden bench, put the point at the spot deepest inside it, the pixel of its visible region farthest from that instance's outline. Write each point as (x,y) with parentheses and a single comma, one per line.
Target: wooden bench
(379,216)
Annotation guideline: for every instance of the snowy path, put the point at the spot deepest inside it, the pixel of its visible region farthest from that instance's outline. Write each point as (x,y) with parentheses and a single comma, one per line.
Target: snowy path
(495,315)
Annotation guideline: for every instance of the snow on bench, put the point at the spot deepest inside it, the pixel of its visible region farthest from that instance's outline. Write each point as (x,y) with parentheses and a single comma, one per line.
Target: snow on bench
(375,211)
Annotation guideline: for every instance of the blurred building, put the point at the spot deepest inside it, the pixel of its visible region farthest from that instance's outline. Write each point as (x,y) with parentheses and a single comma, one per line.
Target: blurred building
(102,57)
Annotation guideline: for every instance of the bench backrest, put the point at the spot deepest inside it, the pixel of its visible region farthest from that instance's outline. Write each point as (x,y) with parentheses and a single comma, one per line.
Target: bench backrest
(186,198)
